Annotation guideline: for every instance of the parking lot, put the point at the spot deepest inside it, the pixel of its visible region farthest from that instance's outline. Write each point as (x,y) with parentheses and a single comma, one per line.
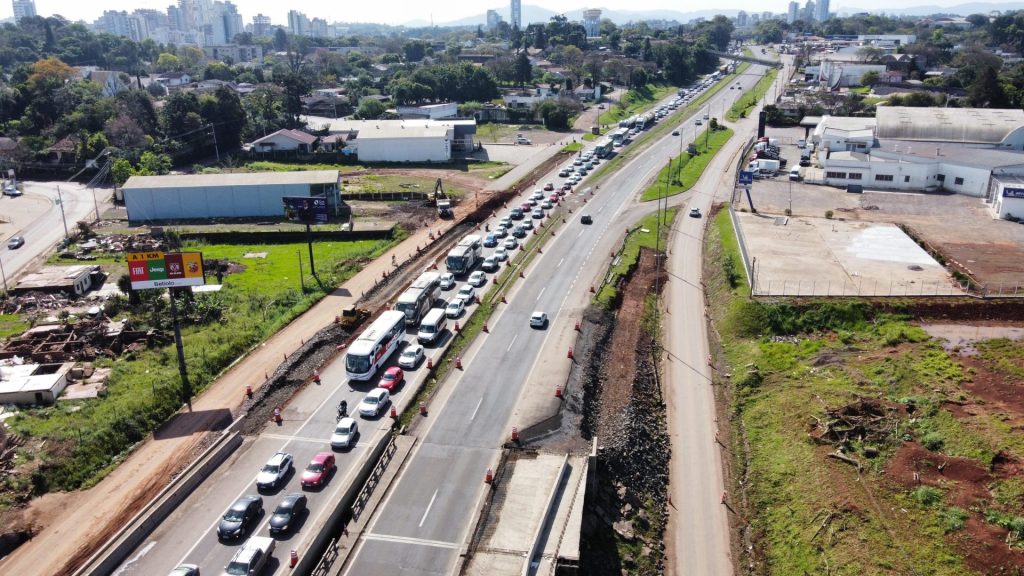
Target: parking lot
(990,250)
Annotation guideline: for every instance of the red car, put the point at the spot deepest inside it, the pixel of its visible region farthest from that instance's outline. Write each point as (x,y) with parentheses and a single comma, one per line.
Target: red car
(392,378)
(566,186)
(553,198)
(549,186)
(318,471)
(526,206)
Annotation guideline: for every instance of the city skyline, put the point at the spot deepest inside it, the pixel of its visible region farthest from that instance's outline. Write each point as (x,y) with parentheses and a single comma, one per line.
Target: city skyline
(398,12)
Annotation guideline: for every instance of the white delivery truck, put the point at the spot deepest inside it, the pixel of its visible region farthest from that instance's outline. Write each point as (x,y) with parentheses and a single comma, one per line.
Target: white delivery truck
(432,325)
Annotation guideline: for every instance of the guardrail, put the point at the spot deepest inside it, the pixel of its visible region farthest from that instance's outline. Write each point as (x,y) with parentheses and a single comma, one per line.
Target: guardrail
(528,563)
(743,247)
(116,549)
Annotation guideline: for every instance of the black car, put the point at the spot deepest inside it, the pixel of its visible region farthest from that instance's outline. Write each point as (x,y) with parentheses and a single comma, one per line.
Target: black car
(239,515)
(586,219)
(289,510)
(695,213)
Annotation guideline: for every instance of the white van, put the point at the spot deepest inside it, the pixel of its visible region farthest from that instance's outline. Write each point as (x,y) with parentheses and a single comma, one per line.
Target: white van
(432,325)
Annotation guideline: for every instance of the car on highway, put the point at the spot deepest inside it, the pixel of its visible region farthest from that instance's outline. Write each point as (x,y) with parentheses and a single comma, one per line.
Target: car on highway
(577,162)
(15,242)
(506,222)
(477,279)
(274,471)
(538,319)
(675,132)
(699,122)
(549,186)
(518,232)
(563,172)
(375,402)
(287,513)
(454,308)
(467,293)
(527,225)
(501,232)
(510,244)
(501,254)
(566,187)
(490,241)
(318,470)
(392,379)
(547,204)
(447,281)
(411,356)
(586,219)
(233,523)
(694,212)
(345,433)
(185,570)
(538,213)
(490,264)
(517,214)
(252,557)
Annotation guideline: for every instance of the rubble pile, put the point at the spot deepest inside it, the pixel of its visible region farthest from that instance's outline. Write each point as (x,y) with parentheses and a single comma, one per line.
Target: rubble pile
(83,340)
(867,423)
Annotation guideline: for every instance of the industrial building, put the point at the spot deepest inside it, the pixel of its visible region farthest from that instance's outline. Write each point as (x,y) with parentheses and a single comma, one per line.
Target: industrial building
(972,151)
(421,140)
(247,195)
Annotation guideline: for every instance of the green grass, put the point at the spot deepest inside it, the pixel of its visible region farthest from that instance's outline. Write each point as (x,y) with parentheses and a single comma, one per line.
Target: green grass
(12,324)
(634,102)
(492,132)
(685,170)
(572,147)
(84,440)
(750,98)
(861,90)
(643,236)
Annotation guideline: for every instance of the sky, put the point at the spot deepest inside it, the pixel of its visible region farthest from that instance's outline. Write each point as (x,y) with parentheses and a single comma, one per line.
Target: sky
(402,11)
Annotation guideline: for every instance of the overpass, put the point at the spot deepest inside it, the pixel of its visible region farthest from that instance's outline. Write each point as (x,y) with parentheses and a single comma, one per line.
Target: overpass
(751,59)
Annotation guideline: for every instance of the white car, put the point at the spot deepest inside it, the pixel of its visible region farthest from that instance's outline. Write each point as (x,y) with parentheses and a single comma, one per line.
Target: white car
(274,471)
(538,319)
(546,205)
(511,244)
(500,254)
(477,279)
(538,213)
(411,356)
(374,403)
(447,281)
(345,433)
(490,264)
(454,308)
(467,293)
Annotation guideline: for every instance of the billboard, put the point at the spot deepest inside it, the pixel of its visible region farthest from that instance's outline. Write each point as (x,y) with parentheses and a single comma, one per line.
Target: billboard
(160,270)
(305,209)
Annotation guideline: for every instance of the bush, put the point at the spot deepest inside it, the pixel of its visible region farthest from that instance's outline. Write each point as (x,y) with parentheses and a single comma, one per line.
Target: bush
(953,519)
(729,266)
(829,214)
(933,441)
(926,495)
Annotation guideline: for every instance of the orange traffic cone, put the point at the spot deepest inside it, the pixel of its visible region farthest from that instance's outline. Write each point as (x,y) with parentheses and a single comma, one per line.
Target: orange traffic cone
(458,362)
(592,290)
(489,476)
(457,329)
(423,408)
(430,364)
(569,353)
(515,434)
(577,326)
(394,411)
(248,392)
(485,328)
(294,558)
(558,391)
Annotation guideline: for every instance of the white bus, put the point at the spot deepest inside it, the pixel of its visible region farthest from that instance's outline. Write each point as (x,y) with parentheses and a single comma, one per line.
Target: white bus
(465,255)
(419,297)
(373,347)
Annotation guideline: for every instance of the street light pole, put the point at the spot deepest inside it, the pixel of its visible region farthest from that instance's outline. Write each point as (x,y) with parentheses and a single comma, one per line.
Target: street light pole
(60,201)
(4,274)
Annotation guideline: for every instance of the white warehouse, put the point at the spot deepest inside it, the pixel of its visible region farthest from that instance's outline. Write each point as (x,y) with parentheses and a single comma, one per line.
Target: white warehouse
(244,195)
(412,143)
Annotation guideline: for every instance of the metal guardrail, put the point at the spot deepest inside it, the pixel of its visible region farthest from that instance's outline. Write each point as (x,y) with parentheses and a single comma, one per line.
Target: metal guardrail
(743,247)
(549,509)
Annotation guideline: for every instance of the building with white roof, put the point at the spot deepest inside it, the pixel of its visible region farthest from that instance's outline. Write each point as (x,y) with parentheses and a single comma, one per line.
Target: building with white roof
(32,384)
(419,140)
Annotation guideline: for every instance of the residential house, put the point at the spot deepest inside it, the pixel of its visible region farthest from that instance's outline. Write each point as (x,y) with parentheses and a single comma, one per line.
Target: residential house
(527,98)
(590,93)
(285,140)
(170,79)
(8,150)
(63,150)
(110,82)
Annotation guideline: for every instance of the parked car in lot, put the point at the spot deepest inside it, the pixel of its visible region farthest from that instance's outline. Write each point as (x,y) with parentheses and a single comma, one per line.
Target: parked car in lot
(374,403)
(467,293)
(392,379)
(274,471)
(234,522)
(345,433)
(477,279)
(287,513)
(318,470)
(454,308)
(490,264)
(794,174)
(447,281)
(411,356)
(538,319)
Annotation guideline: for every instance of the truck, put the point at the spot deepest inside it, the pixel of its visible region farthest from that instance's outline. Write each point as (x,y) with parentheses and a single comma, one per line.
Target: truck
(251,558)
(441,200)
(765,166)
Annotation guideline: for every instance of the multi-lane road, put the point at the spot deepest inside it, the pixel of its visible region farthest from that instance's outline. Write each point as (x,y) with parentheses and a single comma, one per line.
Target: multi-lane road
(426,516)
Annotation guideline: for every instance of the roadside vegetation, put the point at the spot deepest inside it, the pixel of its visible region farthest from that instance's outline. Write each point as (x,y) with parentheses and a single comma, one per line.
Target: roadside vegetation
(633,102)
(861,445)
(684,170)
(644,235)
(75,443)
(751,97)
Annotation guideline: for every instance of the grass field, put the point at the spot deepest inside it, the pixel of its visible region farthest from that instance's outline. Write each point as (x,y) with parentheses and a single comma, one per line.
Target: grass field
(811,513)
(86,439)
(11,324)
(751,97)
(684,171)
(643,236)
(634,102)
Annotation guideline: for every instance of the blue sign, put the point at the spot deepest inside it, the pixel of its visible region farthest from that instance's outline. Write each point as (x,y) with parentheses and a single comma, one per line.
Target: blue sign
(1013,192)
(305,209)
(746,177)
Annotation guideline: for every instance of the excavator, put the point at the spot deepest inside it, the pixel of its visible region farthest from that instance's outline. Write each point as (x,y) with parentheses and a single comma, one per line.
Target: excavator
(441,200)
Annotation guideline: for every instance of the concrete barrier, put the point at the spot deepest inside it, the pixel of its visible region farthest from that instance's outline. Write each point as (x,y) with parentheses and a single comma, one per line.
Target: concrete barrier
(549,509)
(116,549)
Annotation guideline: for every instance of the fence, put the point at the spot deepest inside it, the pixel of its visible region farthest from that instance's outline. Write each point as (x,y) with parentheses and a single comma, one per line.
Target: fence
(741,241)
(787,287)
(386,196)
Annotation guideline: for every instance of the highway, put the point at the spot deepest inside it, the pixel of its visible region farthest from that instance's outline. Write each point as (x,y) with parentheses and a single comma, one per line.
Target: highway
(426,518)
(427,515)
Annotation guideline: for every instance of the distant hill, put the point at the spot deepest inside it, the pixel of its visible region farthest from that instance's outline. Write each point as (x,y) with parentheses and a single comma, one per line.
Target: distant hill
(929,9)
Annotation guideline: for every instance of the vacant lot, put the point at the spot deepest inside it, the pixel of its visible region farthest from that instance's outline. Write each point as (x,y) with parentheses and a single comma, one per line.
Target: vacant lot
(863,444)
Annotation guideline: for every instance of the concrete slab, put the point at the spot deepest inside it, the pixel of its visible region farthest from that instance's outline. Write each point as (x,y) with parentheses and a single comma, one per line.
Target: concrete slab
(525,502)
(819,257)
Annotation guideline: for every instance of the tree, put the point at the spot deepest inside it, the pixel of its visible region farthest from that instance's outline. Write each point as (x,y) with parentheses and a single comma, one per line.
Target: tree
(869,78)
(414,50)
(370,108)
(768,32)
(524,70)
(152,164)
(218,71)
(264,111)
(168,63)
(986,91)
(125,133)
(870,54)
(554,113)
(280,39)
(121,170)
(978,20)
(717,32)
(296,81)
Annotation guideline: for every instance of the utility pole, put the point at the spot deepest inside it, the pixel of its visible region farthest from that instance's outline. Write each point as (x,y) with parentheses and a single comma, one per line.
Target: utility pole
(216,149)
(186,388)
(60,202)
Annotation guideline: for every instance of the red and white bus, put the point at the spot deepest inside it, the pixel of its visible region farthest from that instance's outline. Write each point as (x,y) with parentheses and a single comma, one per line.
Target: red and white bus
(375,345)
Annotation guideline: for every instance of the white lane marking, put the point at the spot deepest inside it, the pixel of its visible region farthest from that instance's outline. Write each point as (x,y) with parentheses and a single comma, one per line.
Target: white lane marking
(580,234)
(429,506)
(509,349)
(560,261)
(407,540)
(477,409)
(295,438)
(541,293)
(145,550)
